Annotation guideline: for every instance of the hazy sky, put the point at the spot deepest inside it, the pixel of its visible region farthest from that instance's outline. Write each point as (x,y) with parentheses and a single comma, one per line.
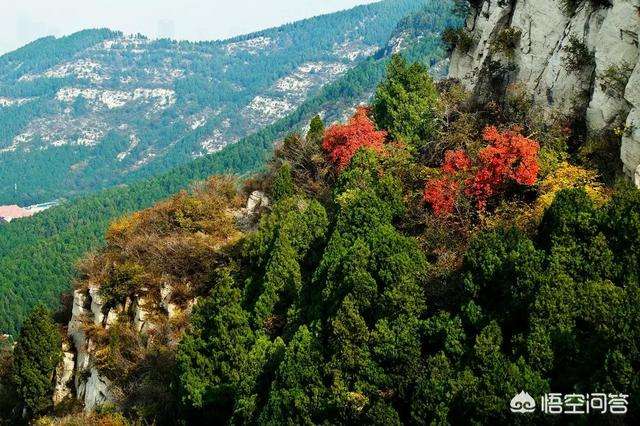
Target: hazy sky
(22,21)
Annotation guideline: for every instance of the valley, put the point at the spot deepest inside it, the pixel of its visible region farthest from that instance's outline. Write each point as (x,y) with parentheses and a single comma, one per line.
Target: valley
(109,108)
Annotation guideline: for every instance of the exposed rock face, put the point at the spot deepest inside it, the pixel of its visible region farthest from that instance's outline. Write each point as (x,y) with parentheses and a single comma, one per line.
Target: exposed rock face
(540,62)
(96,391)
(246,218)
(78,375)
(631,140)
(64,375)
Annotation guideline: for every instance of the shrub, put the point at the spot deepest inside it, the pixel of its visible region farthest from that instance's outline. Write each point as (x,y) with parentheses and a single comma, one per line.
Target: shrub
(342,141)
(578,56)
(310,171)
(614,79)
(601,152)
(567,176)
(509,158)
(507,41)
(457,37)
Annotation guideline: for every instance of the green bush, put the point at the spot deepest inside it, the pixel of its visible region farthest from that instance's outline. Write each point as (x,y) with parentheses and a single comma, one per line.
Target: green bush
(614,79)
(507,41)
(458,37)
(578,56)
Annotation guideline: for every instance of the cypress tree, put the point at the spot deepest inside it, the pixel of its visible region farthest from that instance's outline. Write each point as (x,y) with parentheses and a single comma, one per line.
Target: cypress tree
(36,356)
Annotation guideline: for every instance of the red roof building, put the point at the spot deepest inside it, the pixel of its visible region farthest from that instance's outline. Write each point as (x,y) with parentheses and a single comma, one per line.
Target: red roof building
(8,213)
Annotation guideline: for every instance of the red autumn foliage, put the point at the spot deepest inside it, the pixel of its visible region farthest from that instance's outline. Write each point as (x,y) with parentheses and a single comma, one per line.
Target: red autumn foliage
(509,157)
(342,141)
(441,194)
(456,161)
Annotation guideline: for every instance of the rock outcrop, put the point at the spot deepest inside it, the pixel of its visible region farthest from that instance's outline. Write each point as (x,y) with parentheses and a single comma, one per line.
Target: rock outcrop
(78,375)
(579,63)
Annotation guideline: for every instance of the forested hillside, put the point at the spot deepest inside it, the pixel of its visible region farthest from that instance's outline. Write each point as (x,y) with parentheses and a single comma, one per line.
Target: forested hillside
(422,262)
(98,108)
(38,255)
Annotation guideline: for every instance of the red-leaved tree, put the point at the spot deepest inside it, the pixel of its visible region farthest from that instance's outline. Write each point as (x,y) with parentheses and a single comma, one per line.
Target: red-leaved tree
(508,158)
(342,141)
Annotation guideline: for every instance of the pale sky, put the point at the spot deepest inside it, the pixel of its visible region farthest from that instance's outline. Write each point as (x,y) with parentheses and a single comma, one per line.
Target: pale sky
(22,21)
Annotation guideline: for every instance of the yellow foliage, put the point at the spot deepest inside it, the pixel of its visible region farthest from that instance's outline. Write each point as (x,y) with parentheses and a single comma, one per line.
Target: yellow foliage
(527,217)
(175,244)
(84,419)
(568,176)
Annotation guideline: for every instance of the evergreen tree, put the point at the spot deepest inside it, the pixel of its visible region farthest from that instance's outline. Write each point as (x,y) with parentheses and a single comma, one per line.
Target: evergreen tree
(212,355)
(316,130)
(36,357)
(406,104)
(297,391)
(283,183)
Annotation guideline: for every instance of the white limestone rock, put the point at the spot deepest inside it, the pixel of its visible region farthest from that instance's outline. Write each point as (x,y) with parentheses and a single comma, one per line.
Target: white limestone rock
(96,391)
(630,150)
(165,301)
(615,46)
(256,200)
(64,375)
(141,322)
(110,318)
(540,65)
(482,26)
(97,304)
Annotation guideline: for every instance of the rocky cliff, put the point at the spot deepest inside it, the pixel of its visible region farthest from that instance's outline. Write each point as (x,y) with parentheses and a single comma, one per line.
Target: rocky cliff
(578,58)
(155,310)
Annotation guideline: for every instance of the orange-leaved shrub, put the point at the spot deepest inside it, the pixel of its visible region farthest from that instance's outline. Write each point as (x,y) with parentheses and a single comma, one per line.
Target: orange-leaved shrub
(342,141)
(508,158)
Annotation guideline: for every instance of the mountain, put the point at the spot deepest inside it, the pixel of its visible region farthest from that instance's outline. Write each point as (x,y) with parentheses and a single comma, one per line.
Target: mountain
(578,59)
(439,257)
(421,263)
(38,255)
(98,108)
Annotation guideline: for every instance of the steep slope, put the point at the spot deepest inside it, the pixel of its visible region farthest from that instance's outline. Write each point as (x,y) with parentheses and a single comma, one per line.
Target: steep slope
(38,255)
(333,294)
(98,108)
(578,58)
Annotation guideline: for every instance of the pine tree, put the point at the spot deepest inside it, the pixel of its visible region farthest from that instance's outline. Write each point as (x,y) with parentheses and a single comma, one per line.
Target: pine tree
(407,104)
(316,130)
(36,357)
(212,355)
(283,183)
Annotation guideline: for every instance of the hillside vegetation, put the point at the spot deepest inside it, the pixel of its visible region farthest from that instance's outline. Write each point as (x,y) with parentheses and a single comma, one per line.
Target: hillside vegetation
(98,108)
(421,271)
(38,255)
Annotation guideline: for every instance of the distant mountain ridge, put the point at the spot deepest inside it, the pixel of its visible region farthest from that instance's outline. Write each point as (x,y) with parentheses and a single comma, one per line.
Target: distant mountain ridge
(98,108)
(37,255)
